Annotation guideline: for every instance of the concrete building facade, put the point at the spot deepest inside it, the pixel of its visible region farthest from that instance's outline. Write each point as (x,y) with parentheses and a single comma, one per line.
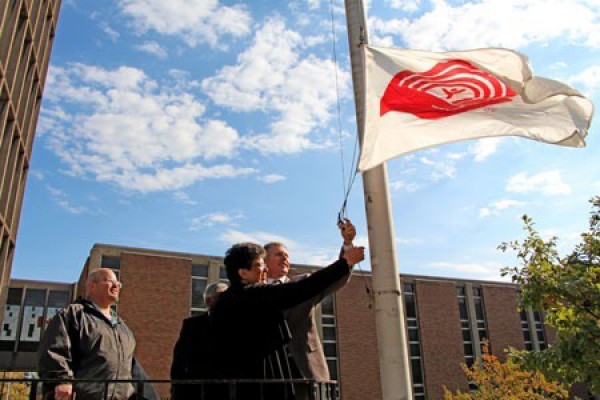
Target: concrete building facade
(27,29)
(446,319)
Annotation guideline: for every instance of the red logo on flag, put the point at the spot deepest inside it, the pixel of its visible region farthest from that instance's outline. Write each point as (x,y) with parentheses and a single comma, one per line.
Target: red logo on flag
(450,87)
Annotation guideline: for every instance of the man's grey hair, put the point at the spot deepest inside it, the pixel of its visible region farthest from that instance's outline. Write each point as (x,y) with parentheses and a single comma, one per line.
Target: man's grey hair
(268,246)
(212,292)
(95,275)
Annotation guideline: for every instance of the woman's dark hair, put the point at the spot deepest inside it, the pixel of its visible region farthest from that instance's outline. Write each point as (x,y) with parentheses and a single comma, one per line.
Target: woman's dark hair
(241,256)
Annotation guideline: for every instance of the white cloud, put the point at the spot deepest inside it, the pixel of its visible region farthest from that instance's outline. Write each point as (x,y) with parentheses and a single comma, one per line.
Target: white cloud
(297,93)
(548,183)
(495,23)
(566,240)
(484,148)
(426,161)
(442,169)
(114,35)
(184,198)
(125,128)
(409,241)
(404,5)
(484,212)
(456,156)
(39,175)
(212,219)
(403,186)
(153,48)
(559,65)
(313,4)
(588,80)
(61,199)
(271,178)
(193,21)
(497,207)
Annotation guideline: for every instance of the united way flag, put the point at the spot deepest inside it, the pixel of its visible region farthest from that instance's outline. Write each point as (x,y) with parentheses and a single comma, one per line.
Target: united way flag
(417,99)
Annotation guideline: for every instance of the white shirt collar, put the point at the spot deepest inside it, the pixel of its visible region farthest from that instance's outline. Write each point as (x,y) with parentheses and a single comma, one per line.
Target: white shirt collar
(281,279)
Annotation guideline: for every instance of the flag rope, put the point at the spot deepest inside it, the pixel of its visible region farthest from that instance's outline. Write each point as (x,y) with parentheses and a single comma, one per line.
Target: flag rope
(342,214)
(346,187)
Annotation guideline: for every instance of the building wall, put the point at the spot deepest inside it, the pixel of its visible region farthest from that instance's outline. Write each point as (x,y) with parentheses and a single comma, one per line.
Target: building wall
(357,342)
(155,300)
(504,325)
(441,340)
(26,35)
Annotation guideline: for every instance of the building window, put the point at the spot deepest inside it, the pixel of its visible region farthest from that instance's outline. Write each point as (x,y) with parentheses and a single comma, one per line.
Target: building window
(465,325)
(526,331)
(199,283)
(534,334)
(223,275)
(414,343)
(112,262)
(57,300)
(329,335)
(31,326)
(12,310)
(539,330)
(479,317)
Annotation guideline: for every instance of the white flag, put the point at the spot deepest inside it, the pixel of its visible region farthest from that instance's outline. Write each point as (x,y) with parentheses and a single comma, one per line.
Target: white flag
(417,99)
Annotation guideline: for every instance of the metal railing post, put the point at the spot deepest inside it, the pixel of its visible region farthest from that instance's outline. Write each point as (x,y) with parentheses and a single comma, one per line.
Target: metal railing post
(232,391)
(140,390)
(33,390)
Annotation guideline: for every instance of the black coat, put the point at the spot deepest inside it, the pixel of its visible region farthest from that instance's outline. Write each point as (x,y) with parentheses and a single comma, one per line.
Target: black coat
(192,356)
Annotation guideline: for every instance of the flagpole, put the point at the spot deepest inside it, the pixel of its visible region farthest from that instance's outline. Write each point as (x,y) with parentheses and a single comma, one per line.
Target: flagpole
(394,367)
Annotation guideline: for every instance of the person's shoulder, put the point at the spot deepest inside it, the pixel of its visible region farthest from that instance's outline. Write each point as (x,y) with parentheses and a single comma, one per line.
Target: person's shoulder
(72,309)
(195,320)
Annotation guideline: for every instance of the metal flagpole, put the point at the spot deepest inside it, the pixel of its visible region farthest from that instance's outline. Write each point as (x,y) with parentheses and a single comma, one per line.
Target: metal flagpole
(394,367)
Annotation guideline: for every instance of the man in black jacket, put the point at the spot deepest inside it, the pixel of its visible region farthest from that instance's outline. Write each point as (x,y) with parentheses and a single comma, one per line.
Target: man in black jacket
(248,318)
(87,340)
(195,348)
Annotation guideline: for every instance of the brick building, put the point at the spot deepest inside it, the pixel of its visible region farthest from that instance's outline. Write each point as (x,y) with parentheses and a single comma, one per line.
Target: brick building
(445,318)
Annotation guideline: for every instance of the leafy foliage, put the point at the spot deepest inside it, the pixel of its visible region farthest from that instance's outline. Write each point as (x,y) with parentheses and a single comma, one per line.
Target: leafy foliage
(567,289)
(497,380)
(15,390)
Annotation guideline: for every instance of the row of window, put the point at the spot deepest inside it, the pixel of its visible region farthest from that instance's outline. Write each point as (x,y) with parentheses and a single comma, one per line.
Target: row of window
(473,328)
(26,314)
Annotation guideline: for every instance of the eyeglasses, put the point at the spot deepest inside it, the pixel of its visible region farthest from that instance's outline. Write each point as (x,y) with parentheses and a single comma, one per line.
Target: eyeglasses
(114,282)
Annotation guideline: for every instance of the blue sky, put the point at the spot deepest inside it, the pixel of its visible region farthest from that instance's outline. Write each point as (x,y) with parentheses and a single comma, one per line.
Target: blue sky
(189,125)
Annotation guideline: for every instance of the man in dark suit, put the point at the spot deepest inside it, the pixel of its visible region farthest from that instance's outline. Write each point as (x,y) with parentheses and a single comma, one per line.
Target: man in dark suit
(248,318)
(305,346)
(194,348)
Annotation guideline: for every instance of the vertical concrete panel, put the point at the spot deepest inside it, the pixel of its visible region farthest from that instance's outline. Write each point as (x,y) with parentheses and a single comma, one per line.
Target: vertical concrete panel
(154,302)
(441,340)
(357,342)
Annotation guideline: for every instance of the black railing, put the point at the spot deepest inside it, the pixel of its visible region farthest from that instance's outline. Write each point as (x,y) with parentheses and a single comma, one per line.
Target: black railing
(189,389)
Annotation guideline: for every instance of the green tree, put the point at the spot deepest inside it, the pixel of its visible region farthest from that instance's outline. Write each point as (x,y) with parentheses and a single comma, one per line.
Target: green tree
(567,289)
(506,380)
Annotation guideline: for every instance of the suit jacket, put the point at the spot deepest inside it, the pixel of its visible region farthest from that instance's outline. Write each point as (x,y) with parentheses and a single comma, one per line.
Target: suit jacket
(305,345)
